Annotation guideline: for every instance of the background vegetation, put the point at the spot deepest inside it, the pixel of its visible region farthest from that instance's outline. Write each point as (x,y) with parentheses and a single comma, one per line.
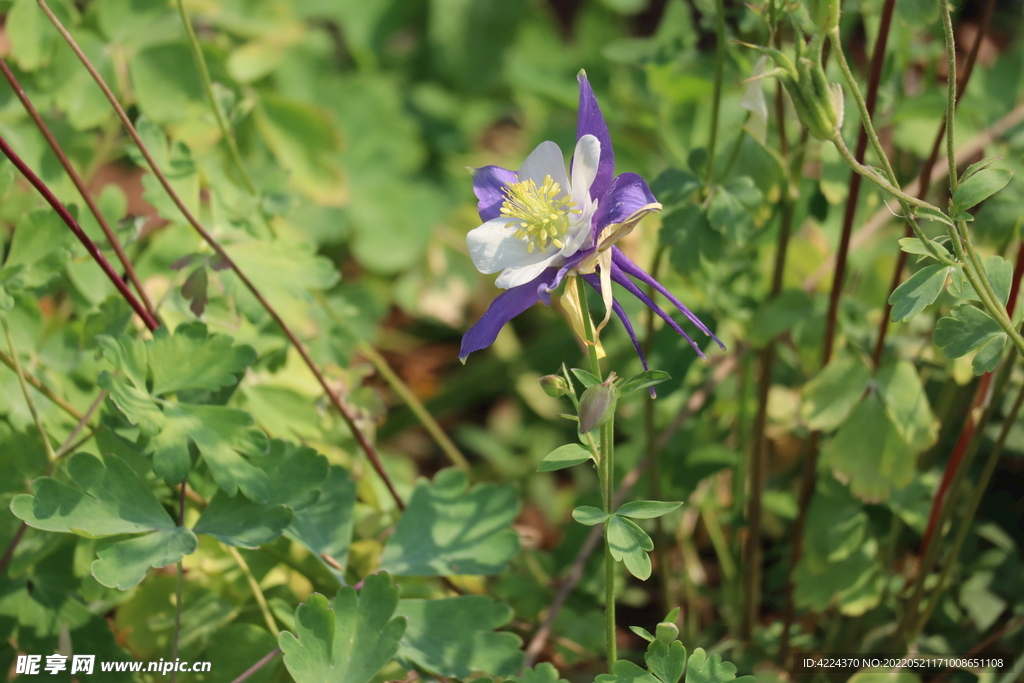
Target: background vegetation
(854,479)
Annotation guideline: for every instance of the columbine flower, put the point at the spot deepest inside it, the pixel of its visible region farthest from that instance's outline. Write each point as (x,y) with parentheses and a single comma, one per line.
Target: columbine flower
(541,226)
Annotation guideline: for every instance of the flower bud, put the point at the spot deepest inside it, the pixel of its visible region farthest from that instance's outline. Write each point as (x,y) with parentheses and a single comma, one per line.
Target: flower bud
(824,13)
(666,632)
(554,385)
(597,405)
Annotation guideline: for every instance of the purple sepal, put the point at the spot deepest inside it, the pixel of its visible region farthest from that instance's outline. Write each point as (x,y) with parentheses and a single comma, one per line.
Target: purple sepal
(595,282)
(489,183)
(623,264)
(591,122)
(505,306)
(627,194)
(619,277)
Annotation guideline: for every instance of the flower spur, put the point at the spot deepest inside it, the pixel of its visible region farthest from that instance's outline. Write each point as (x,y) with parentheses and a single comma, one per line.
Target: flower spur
(541,226)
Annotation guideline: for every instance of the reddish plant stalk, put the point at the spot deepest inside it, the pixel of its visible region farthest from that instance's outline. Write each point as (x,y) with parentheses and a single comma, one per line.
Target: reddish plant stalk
(89,245)
(811,461)
(33,113)
(342,409)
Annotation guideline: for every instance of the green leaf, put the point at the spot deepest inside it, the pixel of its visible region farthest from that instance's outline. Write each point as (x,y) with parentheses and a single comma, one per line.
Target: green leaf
(108,498)
(124,564)
(913,245)
(647,509)
(456,636)
(978,166)
(624,671)
(1000,275)
(691,237)
(348,640)
(544,672)
(989,355)
(40,246)
(325,527)
(630,544)
(870,452)
(589,515)
(674,186)
(240,522)
(643,633)
(933,215)
(645,379)
(980,187)
(305,143)
(831,396)
(704,668)
(730,207)
(587,379)
(295,473)
(965,329)
(920,290)
(165,82)
(779,314)
(666,661)
(286,270)
(564,456)
(906,403)
(194,359)
(31,35)
(447,529)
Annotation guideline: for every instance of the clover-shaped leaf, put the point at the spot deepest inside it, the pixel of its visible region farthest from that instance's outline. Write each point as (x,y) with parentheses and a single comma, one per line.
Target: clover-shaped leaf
(325,526)
(447,529)
(108,498)
(190,362)
(456,636)
(348,640)
(667,661)
(630,544)
(704,668)
(968,329)
(624,671)
(544,672)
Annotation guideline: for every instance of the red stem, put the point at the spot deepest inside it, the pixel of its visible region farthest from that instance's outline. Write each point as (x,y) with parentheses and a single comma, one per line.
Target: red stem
(93,250)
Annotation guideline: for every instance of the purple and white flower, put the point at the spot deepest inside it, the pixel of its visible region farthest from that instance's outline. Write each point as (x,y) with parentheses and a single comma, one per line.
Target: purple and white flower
(541,226)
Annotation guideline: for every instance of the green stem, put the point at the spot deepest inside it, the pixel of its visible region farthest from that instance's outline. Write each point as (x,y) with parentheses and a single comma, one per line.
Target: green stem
(51,456)
(606,473)
(416,406)
(254,585)
(222,123)
(972,509)
(716,100)
(947,31)
(862,106)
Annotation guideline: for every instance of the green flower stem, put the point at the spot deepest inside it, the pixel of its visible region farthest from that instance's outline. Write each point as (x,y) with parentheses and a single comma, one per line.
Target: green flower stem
(972,508)
(980,268)
(883,183)
(947,31)
(50,455)
(716,99)
(606,473)
(416,406)
(204,74)
(257,592)
(862,106)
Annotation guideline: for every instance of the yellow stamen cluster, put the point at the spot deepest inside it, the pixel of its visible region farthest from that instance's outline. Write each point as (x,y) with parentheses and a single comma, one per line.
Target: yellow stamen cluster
(539,215)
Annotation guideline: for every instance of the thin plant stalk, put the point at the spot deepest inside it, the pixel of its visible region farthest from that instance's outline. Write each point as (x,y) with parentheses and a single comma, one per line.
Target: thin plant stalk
(343,410)
(222,123)
(79,183)
(254,585)
(716,98)
(89,245)
(651,449)
(266,659)
(51,456)
(179,589)
(46,391)
(972,508)
(606,473)
(68,444)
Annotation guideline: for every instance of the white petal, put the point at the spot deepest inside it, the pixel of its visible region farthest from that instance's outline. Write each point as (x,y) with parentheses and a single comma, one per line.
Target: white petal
(585,161)
(546,160)
(494,247)
(513,277)
(580,228)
